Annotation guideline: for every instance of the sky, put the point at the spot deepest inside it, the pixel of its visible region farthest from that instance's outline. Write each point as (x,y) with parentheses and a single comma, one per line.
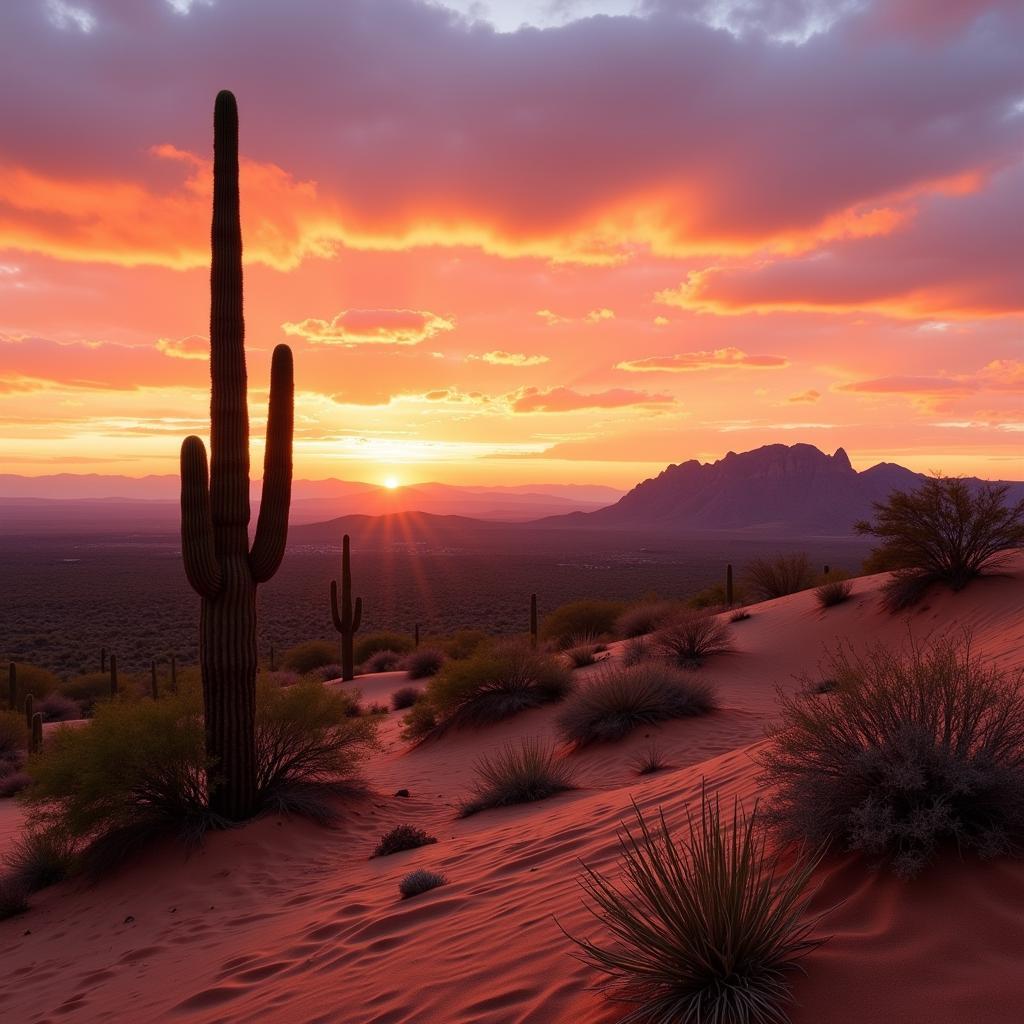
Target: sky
(546,241)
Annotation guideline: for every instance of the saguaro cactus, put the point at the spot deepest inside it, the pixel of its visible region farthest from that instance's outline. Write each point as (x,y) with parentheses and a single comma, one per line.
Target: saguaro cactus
(347,622)
(533,620)
(35,743)
(219,563)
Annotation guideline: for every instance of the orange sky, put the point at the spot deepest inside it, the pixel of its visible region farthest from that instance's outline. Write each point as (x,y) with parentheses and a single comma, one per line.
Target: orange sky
(571,252)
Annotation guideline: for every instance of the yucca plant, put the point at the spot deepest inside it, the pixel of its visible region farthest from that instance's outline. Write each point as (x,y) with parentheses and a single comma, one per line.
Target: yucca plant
(706,928)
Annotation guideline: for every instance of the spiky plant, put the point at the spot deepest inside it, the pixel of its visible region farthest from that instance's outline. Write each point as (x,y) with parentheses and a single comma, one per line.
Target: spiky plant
(706,928)
(219,563)
(518,775)
(346,621)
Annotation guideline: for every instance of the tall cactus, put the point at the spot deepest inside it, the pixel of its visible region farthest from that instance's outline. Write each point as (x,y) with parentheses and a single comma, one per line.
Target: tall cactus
(219,563)
(35,741)
(347,622)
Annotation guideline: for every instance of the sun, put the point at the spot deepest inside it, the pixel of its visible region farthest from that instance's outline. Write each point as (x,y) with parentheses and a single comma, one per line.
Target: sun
(392,483)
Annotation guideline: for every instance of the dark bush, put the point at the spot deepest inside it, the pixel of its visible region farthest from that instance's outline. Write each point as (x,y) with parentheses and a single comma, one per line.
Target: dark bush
(55,707)
(739,615)
(636,650)
(588,617)
(420,881)
(312,654)
(834,592)
(618,700)
(947,531)
(582,651)
(646,617)
(405,697)
(41,857)
(910,750)
(691,637)
(779,576)
(370,644)
(707,927)
(33,679)
(381,661)
(649,761)
(498,681)
(464,643)
(423,662)
(402,837)
(517,775)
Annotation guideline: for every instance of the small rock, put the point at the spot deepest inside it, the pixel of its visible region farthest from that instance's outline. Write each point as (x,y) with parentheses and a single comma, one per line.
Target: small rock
(27,931)
(129,919)
(402,792)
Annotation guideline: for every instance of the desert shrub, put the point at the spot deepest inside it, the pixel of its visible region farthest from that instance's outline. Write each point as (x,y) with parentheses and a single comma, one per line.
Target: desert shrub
(779,576)
(312,654)
(423,662)
(649,761)
(498,681)
(913,748)
(12,782)
(324,674)
(370,644)
(517,775)
(618,700)
(13,898)
(739,615)
(381,661)
(464,643)
(707,926)
(635,650)
(405,696)
(582,651)
(834,592)
(41,857)
(420,881)
(716,596)
(32,679)
(643,618)
(947,531)
(308,746)
(402,837)
(13,735)
(85,690)
(691,637)
(56,707)
(589,617)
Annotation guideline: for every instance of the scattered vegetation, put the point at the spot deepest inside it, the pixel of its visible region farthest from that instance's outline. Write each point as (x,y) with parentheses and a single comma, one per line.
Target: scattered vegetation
(636,650)
(691,637)
(779,576)
(583,651)
(716,596)
(423,662)
(463,643)
(497,681)
(911,750)
(580,618)
(649,761)
(13,735)
(518,775)
(947,531)
(645,617)
(405,696)
(619,699)
(420,881)
(381,661)
(707,927)
(41,857)
(834,592)
(367,646)
(86,689)
(312,654)
(739,615)
(402,837)
(55,707)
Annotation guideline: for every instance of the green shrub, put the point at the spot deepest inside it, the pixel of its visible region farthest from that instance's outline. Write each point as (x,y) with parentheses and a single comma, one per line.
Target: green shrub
(619,699)
(779,576)
(907,751)
(400,838)
(517,775)
(312,654)
(372,643)
(707,927)
(582,651)
(498,681)
(588,617)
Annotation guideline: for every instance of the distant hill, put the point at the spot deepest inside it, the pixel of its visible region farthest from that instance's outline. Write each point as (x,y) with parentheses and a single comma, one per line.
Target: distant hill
(779,489)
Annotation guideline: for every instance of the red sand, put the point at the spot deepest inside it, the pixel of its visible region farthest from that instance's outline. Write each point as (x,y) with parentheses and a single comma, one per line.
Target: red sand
(284,921)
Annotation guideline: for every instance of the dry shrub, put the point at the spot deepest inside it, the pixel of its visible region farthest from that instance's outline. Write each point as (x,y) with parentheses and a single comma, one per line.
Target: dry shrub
(405,696)
(366,646)
(423,662)
(779,576)
(402,837)
(583,650)
(636,650)
(588,617)
(13,898)
(56,707)
(381,661)
(707,927)
(420,881)
(311,655)
(649,761)
(13,735)
(910,750)
(643,618)
(691,637)
(517,775)
(619,699)
(834,592)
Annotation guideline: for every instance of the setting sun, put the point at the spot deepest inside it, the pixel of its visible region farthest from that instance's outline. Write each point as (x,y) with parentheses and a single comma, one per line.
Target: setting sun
(392,483)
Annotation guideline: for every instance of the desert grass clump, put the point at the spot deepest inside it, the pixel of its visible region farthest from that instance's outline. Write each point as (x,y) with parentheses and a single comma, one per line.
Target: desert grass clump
(706,927)
(498,681)
(381,661)
(583,651)
(913,749)
(519,774)
(779,576)
(367,646)
(739,615)
(420,881)
(947,531)
(618,700)
(405,696)
(649,761)
(636,650)
(645,617)
(310,656)
(41,857)
(834,592)
(402,837)
(423,662)
(588,617)
(691,637)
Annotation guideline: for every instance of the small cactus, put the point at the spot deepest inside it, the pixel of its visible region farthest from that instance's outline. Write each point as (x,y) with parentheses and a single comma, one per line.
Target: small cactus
(346,622)
(29,710)
(36,740)
(728,584)
(113,675)
(533,620)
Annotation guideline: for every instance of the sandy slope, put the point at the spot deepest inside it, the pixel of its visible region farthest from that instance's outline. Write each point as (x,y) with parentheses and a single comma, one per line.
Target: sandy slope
(282,921)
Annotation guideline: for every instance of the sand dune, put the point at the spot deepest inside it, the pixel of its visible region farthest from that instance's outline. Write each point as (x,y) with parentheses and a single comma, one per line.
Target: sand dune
(284,921)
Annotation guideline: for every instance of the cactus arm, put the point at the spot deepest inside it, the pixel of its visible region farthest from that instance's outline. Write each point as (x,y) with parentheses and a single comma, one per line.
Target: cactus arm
(197,543)
(272,525)
(338,624)
(358,616)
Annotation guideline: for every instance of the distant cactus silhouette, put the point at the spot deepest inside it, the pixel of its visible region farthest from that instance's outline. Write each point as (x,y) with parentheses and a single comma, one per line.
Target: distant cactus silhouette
(113,675)
(36,736)
(728,584)
(533,620)
(219,564)
(12,686)
(347,622)
(29,710)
